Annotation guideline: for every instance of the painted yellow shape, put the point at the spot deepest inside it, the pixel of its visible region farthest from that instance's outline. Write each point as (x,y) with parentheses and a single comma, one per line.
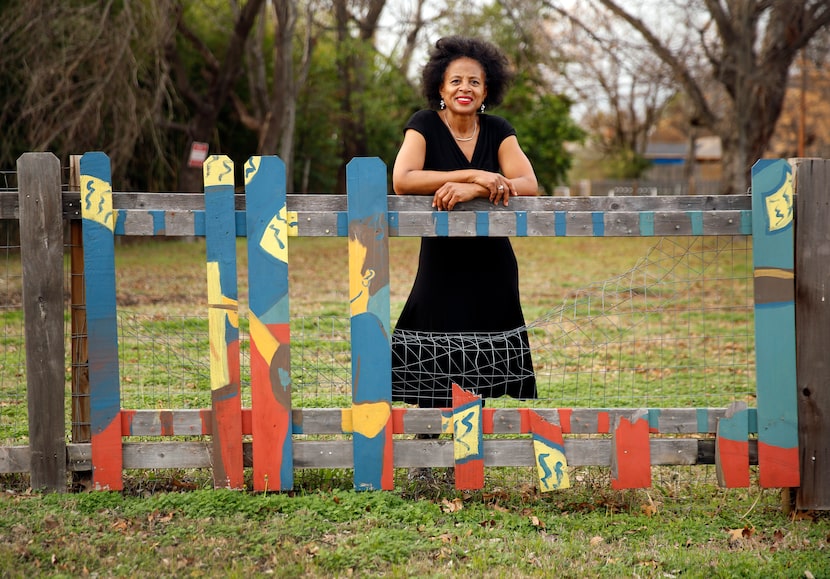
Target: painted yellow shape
(96,201)
(358,286)
(370,418)
(346,420)
(251,168)
(220,310)
(218,170)
(219,368)
(274,239)
(466,426)
(266,343)
(551,467)
(774,272)
(779,205)
(446,424)
(292,218)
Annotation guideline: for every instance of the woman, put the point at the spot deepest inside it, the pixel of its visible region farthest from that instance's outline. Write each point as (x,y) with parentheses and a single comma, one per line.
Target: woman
(463,321)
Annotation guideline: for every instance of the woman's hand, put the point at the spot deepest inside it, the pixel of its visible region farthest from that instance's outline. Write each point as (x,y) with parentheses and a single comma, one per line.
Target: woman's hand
(499,187)
(451,193)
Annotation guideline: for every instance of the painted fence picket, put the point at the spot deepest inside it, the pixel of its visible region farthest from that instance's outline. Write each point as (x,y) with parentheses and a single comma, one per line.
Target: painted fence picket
(268,224)
(371,338)
(773,261)
(468,442)
(102,322)
(223,323)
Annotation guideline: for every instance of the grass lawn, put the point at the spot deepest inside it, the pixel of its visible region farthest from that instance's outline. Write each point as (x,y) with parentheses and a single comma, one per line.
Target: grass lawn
(684,341)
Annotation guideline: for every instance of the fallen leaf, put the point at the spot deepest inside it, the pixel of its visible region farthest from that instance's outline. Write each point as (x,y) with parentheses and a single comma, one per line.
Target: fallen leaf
(452,506)
(597,540)
(736,535)
(534,520)
(649,510)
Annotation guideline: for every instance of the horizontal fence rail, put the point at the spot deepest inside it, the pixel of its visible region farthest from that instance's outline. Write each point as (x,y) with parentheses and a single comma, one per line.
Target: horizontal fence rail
(183,214)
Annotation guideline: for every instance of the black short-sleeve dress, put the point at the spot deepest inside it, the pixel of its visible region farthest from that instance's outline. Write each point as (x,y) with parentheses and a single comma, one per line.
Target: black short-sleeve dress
(463,320)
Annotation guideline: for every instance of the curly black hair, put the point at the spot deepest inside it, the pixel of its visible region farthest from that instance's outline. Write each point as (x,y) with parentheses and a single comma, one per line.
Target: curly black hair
(497,72)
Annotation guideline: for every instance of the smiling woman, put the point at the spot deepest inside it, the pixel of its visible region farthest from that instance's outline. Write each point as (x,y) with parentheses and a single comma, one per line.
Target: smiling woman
(463,321)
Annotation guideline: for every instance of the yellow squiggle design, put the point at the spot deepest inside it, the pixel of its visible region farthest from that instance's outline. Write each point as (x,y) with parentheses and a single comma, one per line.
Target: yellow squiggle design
(218,170)
(251,168)
(779,205)
(274,239)
(96,202)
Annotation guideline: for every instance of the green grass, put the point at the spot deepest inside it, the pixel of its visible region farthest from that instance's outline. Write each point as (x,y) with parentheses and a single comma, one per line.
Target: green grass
(677,530)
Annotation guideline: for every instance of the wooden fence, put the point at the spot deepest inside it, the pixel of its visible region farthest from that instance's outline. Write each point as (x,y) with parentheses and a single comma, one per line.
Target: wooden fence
(785,435)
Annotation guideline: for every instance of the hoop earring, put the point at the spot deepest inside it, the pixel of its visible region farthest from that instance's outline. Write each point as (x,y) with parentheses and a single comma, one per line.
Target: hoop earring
(482,107)
(442,105)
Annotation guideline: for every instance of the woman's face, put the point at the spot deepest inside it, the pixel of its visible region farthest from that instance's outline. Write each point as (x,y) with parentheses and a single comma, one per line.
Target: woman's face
(464,88)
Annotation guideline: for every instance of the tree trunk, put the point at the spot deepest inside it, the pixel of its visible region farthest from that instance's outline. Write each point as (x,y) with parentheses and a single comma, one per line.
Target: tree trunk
(206,106)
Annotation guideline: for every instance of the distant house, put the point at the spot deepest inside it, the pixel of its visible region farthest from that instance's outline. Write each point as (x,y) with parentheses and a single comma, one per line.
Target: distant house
(669,160)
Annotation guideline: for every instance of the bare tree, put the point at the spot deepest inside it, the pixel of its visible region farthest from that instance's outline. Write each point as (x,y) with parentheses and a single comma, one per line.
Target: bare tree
(731,58)
(84,76)
(354,49)
(220,73)
(273,113)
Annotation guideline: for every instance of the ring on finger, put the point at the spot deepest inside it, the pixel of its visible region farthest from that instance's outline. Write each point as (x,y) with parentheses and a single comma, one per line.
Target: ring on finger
(501,187)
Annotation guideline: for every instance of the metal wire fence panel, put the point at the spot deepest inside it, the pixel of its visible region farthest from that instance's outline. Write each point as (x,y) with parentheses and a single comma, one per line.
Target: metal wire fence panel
(13,406)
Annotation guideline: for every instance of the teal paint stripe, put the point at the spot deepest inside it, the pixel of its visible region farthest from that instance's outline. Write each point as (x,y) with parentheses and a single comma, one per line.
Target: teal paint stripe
(560,223)
(521,223)
(696,219)
(752,417)
(746,221)
(120,223)
(441,221)
(199,226)
(702,420)
(240,222)
(647,223)
(598,223)
(482,223)
(654,419)
(394,220)
(735,428)
(342,224)
(158,222)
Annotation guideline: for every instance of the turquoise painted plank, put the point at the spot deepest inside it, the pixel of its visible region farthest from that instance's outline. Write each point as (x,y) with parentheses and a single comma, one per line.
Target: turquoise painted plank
(773,260)
(99,220)
(370,323)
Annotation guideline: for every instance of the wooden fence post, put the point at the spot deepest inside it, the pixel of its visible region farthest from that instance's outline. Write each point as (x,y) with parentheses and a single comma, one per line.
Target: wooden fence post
(813,322)
(41,248)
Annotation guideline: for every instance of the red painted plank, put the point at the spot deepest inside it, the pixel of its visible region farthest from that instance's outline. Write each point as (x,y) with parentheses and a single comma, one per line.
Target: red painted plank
(631,452)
